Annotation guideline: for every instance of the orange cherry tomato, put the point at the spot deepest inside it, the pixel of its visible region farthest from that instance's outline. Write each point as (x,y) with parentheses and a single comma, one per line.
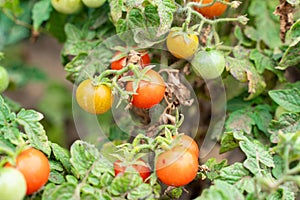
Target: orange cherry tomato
(119,64)
(187,142)
(35,167)
(215,10)
(176,167)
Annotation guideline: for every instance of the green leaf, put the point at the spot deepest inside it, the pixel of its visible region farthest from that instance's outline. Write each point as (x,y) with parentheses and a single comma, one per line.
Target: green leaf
(287,123)
(65,191)
(228,142)
(56,177)
(247,184)
(40,13)
(4,112)
(83,157)
(143,191)
(243,70)
(221,190)
(291,55)
(214,167)
(289,99)
(261,61)
(279,166)
(165,11)
(233,173)
(264,18)
(240,120)
(262,117)
(62,155)
(116,9)
(37,137)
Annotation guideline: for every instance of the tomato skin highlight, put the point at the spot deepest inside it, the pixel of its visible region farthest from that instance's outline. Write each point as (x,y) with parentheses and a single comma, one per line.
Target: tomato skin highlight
(35,167)
(12,184)
(119,64)
(215,10)
(180,47)
(176,167)
(188,143)
(149,92)
(94,99)
(144,171)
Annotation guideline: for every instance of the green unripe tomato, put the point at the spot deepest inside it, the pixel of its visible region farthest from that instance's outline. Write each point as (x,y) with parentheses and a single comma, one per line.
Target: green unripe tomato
(12,184)
(4,79)
(208,64)
(67,6)
(93,3)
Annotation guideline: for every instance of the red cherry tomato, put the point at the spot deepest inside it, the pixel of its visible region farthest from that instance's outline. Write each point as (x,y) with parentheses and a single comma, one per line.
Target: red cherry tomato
(35,167)
(176,167)
(187,142)
(142,170)
(215,10)
(119,64)
(149,92)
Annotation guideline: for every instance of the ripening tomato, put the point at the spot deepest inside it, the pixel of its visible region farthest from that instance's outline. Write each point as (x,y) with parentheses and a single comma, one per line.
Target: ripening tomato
(144,171)
(95,99)
(215,10)
(12,184)
(119,64)
(187,142)
(176,167)
(35,167)
(208,64)
(149,92)
(93,3)
(182,45)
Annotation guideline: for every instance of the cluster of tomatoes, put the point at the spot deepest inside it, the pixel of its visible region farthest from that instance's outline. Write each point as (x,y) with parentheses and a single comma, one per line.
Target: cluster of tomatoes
(27,175)
(175,167)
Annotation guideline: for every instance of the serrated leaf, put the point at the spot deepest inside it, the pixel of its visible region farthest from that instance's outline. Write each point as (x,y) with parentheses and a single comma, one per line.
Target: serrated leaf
(62,155)
(291,55)
(40,13)
(56,177)
(289,99)
(264,18)
(83,157)
(124,183)
(214,167)
(116,9)
(279,166)
(4,112)
(262,117)
(228,142)
(37,137)
(287,123)
(143,191)
(233,173)
(240,120)
(65,191)
(243,70)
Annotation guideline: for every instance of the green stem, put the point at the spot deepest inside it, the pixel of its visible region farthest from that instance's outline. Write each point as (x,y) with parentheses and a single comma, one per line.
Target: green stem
(286,159)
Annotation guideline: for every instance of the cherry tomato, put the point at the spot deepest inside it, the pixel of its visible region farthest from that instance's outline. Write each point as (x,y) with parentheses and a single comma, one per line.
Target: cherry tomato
(176,167)
(142,170)
(182,45)
(187,142)
(95,99)
(4,79)
(12,184)
(119,64)
(215,10)
(149,92)
(67,6)
(93,3)
(208,64)
(35,167)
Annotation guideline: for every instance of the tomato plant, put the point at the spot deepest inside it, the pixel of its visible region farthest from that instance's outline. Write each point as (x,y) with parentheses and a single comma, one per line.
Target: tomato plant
(4,79)
(95,99)
(35,167)
(144,171)
(12,183)
(212,11)
(182,45)
(149,92)
(177,167)
(250,111)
